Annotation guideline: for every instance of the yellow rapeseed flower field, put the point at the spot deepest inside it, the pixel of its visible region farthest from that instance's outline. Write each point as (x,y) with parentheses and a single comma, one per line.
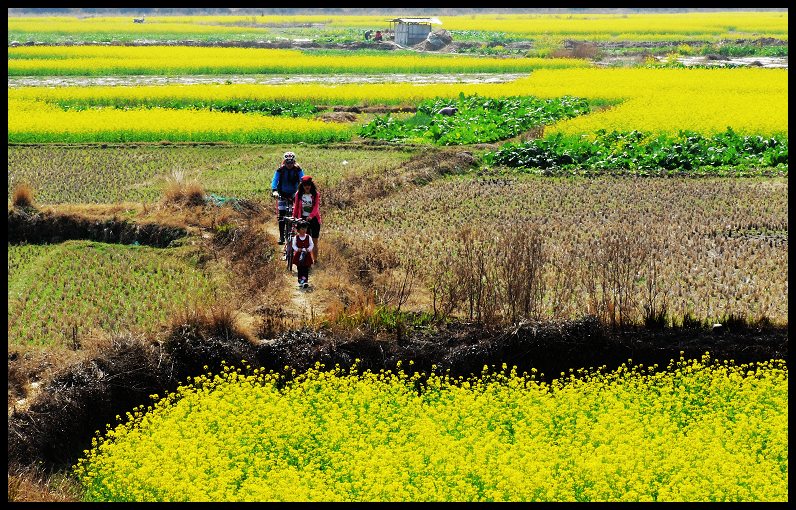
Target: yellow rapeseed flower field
(118,25)
(697,431)
(708,101)
(35,121)
(648,27)
(633,26)
(137,60)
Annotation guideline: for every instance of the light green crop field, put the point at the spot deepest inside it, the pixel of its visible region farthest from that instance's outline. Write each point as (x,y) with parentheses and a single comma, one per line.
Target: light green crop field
(60,293)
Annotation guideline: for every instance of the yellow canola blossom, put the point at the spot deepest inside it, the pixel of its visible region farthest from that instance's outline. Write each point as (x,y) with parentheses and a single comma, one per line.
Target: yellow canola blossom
(693,432)
(118,25)
(753,101)
(135,60)
(632,26)
(37,121)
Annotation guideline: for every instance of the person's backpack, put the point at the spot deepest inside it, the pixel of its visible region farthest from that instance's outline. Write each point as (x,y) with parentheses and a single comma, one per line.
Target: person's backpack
(290,177)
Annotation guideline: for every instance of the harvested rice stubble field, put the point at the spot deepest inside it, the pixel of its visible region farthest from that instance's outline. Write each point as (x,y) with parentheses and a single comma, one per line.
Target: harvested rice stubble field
(714,247)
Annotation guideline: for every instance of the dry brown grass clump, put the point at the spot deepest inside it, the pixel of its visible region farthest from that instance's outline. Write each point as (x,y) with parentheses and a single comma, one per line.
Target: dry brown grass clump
(249,253)
(208,337)
(180,192)
(215,320)
(344,287)
(365,276)
(27,484)
(22,196)
(577,50)
(31,368)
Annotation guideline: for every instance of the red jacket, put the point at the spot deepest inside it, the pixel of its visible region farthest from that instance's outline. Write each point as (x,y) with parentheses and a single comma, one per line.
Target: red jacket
(316,200)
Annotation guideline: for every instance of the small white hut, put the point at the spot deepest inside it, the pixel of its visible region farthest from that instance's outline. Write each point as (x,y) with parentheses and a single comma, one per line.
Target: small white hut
(410,31)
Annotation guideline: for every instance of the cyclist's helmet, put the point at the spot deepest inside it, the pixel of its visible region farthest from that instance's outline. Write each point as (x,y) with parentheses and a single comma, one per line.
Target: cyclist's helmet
(290,156)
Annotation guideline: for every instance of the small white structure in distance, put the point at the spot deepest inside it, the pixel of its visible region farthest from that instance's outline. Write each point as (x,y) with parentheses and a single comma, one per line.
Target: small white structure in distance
(411,31)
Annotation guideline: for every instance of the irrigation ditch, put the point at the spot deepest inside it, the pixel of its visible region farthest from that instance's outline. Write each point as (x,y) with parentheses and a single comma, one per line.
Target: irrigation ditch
(57,425)
(31,226)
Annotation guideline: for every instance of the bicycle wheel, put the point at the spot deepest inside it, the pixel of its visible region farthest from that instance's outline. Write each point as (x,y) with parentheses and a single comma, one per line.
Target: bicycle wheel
(285,229)
(289,255)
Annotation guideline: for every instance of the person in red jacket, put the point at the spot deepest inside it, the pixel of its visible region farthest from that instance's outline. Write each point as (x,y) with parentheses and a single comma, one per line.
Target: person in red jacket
(305,206)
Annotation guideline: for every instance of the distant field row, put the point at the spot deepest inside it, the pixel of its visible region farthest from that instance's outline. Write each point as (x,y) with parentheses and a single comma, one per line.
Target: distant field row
(79,175)
(595,27)
(707,101)
(143,60)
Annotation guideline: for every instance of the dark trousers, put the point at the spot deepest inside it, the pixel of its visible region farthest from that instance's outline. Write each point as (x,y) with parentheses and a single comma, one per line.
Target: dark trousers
(303,272)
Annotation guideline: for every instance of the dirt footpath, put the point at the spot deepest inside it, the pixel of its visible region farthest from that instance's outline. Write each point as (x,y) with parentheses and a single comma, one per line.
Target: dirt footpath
(303,304)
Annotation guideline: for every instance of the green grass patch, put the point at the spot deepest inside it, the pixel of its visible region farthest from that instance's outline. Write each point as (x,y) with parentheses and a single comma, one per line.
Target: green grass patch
(647,153)
(478,120)
(59,293)
(745,50)
(385,318)
(266,107)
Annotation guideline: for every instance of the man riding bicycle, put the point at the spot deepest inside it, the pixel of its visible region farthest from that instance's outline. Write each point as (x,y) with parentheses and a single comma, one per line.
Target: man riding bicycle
(283,187)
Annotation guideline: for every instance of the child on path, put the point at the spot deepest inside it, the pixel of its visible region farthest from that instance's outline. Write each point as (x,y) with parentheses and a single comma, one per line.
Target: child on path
(302,253)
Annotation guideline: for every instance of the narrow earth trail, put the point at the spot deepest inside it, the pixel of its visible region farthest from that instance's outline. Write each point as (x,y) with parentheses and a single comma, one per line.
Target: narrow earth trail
(301,303)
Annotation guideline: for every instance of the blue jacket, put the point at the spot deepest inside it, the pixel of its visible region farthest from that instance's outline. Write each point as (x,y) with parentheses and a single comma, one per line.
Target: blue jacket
(285,181)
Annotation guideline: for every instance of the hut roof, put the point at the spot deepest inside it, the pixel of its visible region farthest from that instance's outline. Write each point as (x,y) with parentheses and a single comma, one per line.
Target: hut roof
(433,21)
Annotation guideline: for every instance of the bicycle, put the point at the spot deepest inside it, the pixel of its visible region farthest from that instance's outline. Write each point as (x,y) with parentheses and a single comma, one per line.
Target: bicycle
(289,233)
(284,203)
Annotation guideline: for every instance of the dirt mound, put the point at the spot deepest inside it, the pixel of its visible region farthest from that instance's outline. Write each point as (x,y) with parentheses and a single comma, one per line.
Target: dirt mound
(372,109)
(338,117)
(435,41)
(59,423)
